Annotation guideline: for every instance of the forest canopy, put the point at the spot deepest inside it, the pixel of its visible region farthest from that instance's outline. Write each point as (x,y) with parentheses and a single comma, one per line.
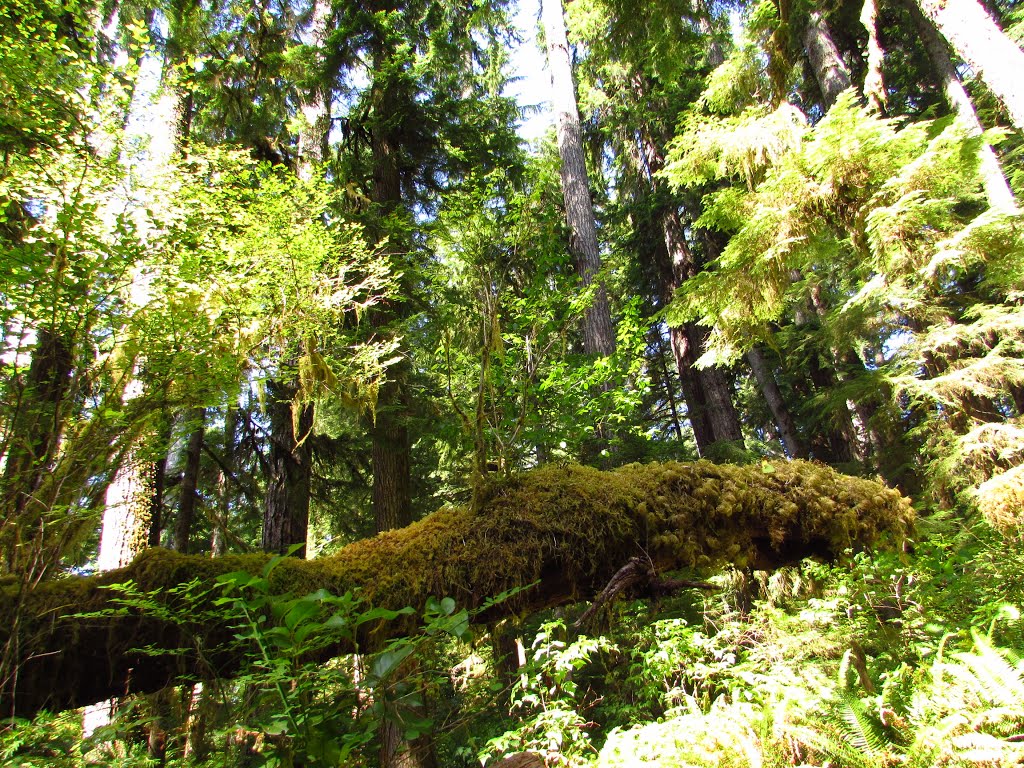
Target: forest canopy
(342,425)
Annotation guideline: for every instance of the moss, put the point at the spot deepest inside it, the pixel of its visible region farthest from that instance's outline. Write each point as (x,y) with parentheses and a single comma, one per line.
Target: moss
(1001,500)
(569,528)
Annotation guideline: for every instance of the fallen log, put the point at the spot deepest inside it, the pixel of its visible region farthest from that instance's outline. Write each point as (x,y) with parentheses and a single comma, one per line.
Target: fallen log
(569,529)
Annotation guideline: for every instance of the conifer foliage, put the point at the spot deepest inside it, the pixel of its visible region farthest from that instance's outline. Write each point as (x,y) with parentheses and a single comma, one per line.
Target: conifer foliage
(281,276)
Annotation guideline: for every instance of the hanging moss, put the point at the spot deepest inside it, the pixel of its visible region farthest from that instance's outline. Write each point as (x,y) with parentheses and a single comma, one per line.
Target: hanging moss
(568,528)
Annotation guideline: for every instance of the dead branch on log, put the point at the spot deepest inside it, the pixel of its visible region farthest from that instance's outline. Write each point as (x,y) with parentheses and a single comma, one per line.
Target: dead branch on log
(637,576)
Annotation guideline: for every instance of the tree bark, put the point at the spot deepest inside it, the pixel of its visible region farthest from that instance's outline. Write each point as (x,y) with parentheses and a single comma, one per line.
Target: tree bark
(286,514)
(390,461)
(32,439)
(390,453)
(708,392)
(316,97)
(980,43)
(725,421)
(830,70)
(389,433)
(218,536)
(997,190)
(598,330)
(127,512)
(765,377)
(189,495)
(570,529)
(874,84)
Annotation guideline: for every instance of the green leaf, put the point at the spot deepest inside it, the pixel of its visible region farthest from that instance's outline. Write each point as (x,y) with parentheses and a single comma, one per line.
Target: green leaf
(300,612)
(389,660)
(375,614)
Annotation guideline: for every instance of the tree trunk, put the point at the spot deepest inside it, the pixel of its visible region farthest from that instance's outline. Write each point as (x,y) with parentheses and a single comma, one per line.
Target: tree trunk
(725,421)
(218,536)
(31,440)
(678,266)
(286,514)
(598,330)
(127,513)
(769,387)
(570,529)
(392,496)
(997,190)
(874,84)
(830,70)
(979,42)
(126,532)
(390,444)
(692,387)
(316,97)
(389,433)
(189,495)
(708,392)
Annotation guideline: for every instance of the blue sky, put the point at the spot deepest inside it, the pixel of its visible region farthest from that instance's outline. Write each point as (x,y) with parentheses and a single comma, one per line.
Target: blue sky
(534,89)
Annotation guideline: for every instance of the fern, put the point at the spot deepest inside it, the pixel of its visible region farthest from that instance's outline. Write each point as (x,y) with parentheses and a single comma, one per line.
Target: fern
(994,675)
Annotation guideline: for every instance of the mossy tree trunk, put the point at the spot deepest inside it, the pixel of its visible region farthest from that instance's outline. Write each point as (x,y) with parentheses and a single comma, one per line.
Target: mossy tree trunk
(997,190)
(980,43)
(830,71)
(566,530)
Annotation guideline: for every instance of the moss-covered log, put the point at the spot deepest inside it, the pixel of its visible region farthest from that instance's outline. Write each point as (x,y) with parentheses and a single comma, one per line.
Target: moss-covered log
(567,528)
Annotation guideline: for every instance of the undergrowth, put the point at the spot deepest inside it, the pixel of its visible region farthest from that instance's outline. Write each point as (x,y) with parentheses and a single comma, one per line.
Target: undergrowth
(907,658)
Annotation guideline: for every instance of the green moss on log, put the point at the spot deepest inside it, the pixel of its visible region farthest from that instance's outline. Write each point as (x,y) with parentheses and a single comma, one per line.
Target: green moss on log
(568,528)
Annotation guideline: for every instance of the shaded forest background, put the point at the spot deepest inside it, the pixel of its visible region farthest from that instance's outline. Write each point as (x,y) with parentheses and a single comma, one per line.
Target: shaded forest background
(279,276)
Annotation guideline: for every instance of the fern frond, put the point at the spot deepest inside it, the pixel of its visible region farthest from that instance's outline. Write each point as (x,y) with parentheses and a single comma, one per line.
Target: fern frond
(861,727)
(831,742)
(994,673)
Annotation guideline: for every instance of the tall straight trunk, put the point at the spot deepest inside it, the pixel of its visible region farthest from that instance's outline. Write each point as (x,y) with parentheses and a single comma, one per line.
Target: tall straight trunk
(315,100)
(168,132)
(189,495)
(127,513)
(692,388)
(979,42)
(389,434)
(218,537)
(675,267)
(598,330)
(707,391)
(125,532)
(830,71)
(725,422)
(390,460)
(32,440)
(286,507)
(765,377)
(286,512)
(874,84)
(997,190)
